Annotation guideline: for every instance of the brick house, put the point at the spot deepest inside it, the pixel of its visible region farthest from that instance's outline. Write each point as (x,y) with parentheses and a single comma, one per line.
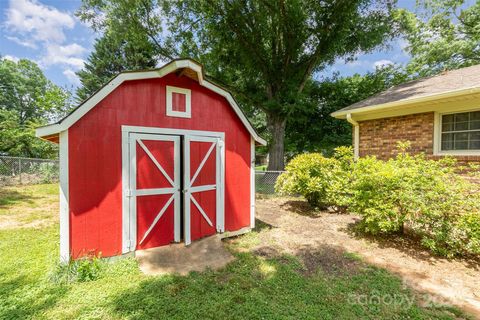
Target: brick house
(439,115)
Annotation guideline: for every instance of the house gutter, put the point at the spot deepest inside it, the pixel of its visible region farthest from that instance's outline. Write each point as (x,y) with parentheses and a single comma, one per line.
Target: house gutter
(404,102)
(356,135)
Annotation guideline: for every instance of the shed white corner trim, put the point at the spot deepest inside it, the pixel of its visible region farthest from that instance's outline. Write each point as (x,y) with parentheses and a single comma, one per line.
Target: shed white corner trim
(86,106)
(64,198)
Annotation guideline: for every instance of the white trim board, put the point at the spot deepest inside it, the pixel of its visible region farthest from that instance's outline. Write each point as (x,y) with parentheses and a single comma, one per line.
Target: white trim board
(228,234)
(158,73)
(436,97)
(64,198)
(252,183)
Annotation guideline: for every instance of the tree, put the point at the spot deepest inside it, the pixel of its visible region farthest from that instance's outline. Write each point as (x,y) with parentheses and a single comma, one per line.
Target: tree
(27,100)
(447,39)
(316,130)
(263,51)
(112,55)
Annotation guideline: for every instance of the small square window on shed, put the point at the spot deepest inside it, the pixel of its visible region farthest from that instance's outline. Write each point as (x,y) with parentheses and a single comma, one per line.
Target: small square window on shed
(179,102)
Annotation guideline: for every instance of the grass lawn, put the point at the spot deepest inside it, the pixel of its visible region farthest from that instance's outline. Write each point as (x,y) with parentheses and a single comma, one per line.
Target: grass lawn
(251,287)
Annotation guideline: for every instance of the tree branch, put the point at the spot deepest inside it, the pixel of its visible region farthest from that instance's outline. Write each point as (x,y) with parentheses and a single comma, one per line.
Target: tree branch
(149,30)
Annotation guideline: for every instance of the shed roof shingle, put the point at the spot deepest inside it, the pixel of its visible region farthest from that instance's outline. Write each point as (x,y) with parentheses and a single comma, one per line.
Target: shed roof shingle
(464,78)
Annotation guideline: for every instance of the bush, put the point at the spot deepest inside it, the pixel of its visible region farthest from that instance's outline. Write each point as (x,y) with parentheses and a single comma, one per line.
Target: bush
(49,172)
(425,196)
(80,270)
(322,181)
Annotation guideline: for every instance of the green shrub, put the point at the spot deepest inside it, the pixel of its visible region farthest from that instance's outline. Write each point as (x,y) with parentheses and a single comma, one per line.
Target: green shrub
(80,270)
(469,230)
(425,195)
(428,197)
(49,172)
(322,181)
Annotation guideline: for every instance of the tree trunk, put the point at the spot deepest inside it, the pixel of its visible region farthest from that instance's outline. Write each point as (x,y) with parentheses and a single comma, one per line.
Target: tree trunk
(276,153)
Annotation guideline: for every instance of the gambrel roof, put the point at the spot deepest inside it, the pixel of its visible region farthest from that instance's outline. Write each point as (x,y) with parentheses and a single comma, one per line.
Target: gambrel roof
(188,67)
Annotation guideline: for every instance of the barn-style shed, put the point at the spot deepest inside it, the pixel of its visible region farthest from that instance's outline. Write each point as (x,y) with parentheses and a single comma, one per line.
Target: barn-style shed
(153,157)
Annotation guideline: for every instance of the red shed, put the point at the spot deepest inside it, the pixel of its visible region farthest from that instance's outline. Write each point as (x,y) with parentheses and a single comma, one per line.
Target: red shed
(153,157)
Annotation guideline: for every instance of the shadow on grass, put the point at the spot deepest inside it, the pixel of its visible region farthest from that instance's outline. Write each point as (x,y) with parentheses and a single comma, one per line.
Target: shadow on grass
(268,286)
(409,245)
(35,297)
(9,197)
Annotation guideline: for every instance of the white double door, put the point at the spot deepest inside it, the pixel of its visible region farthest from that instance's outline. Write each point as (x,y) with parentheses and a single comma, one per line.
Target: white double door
(158,183)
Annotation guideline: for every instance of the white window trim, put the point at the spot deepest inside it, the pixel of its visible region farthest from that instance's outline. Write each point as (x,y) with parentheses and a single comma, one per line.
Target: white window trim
(188,102)
(437,137)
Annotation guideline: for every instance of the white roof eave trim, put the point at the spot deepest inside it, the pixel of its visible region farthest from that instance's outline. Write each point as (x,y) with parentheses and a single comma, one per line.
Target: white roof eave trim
(118,80)
(342,114)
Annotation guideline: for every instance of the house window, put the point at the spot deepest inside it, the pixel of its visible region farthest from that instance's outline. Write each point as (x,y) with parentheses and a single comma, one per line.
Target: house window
(460,131)
(178,102)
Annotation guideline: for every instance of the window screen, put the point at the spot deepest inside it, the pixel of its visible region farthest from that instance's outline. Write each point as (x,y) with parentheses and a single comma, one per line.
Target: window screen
(461,131)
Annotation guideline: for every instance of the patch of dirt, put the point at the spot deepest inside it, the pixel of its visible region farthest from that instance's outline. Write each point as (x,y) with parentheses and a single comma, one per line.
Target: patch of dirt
(267,252)
(9,222)
(332,261)
(321,239)
(21,207)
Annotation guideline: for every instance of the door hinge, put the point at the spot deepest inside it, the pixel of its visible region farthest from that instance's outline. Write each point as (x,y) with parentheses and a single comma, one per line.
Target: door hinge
(220,143)
(128,192)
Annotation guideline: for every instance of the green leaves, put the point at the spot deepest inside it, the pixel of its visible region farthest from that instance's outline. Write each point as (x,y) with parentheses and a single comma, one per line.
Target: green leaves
(322,181)
(311,128)
(113,53)
(265,52)
(27,100)
(445,37)
(408,192)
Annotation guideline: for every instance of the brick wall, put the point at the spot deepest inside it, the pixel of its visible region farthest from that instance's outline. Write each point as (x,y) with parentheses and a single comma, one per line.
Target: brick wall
(379,137)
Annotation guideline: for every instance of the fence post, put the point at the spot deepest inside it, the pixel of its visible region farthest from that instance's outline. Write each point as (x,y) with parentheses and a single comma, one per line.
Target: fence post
(20,170)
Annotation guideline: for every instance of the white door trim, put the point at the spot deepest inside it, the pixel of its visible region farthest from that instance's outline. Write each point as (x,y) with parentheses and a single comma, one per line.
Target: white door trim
(129,222)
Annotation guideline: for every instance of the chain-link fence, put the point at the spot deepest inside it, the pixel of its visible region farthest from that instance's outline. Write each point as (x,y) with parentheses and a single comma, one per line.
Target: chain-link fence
(16,170)
(265,181)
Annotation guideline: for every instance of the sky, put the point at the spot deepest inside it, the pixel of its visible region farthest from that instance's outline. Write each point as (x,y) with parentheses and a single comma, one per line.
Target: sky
(47,32)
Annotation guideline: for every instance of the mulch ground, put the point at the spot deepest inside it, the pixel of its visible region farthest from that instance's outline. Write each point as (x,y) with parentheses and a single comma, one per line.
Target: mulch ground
(327,240)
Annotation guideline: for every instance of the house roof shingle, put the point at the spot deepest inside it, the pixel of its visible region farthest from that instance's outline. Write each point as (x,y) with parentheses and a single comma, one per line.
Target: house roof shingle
(464,78)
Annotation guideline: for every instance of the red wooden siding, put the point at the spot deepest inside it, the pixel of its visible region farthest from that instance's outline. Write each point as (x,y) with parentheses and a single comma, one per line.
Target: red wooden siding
(95,165)
(179,102)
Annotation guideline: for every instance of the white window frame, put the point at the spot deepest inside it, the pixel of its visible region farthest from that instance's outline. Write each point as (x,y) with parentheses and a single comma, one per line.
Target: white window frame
(188,102)
(437,136)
